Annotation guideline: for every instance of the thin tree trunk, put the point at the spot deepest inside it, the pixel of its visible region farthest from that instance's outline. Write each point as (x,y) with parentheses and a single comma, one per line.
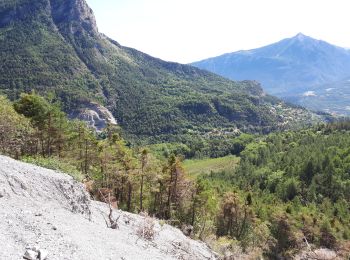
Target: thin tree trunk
(42,144)
(129,196)
(243,224)
(141,192)
(169,195)
(143,165)
(175,184)
(160,200)
(86,158)
(60,136)
(80,149)
(193,208)
(49,136)
(121,190)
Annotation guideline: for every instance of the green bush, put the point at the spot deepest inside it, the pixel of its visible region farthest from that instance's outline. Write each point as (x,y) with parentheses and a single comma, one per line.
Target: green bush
(55,164)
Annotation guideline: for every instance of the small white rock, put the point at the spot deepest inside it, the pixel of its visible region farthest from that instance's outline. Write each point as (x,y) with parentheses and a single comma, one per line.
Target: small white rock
(30,255)
(43,254)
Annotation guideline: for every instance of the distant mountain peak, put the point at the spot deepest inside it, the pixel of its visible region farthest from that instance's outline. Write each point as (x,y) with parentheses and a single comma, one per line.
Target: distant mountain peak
(292,65)
(301,37)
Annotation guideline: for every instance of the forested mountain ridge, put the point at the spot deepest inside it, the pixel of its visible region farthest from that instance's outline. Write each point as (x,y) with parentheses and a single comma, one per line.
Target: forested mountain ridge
(54,46)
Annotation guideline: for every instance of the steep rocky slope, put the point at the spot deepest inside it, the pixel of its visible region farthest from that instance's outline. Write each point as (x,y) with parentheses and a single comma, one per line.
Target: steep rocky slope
(55,46)
(47,211)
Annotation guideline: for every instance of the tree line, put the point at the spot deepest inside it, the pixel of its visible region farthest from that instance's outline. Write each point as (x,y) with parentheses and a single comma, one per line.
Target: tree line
(34,129)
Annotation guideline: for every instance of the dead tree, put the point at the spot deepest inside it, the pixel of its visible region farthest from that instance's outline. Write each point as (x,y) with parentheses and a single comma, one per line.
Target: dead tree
(113,223)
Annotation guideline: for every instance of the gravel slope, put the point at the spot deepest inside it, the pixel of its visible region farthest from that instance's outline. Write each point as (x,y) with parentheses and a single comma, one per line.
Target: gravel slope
(41,208)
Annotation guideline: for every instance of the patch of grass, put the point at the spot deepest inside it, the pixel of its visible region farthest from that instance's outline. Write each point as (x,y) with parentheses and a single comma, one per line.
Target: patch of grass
(208,165)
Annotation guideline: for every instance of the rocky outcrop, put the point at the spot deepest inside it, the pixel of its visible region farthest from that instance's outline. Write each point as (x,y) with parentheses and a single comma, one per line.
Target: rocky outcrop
(74,16)
(321,253)
(47,215)
(70,17)
(97,117)
(253,88)
(35,254)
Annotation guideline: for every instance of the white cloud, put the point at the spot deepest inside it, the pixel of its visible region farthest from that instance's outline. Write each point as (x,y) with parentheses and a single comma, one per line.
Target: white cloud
(309,94)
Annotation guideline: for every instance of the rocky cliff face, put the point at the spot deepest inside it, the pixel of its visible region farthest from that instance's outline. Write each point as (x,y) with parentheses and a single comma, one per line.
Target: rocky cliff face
(73,17)
(76,13)
(47,212)
(98,117)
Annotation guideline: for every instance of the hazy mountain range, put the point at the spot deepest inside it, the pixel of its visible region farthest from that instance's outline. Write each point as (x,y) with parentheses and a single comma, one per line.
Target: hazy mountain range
(297,69)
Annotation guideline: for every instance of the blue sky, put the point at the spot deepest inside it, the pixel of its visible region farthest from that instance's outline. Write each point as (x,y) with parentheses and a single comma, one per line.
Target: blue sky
(190,30)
